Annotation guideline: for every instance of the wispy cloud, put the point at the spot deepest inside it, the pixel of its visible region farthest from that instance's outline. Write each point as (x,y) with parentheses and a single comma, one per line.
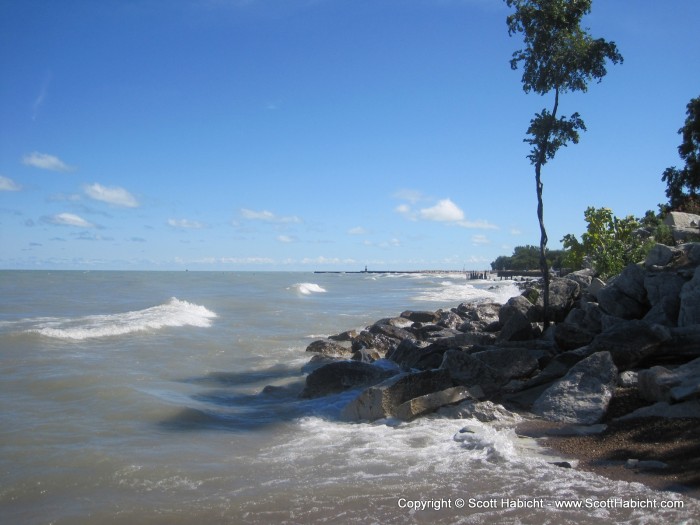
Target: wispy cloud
(185,224)
(7,184)
(412,196)
(268,216)
(68,219)
(357,230)
(286,238)
(480,240)
(45,161)
(41,97)
(112,195)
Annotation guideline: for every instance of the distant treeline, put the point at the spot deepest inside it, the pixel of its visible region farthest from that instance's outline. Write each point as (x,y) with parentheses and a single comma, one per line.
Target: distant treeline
(527,258)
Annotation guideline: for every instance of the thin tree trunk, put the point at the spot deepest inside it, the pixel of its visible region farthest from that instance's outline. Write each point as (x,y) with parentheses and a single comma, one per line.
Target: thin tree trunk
(544,267)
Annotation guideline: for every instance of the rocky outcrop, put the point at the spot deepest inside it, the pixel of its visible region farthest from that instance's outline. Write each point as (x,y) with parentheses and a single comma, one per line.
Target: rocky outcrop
(683,225)
(383,400)
(641,328)
(583,394)
(342,375)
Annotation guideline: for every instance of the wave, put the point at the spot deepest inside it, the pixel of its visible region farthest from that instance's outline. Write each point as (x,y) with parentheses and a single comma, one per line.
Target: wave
(307,288)
(170,314)
(448,291)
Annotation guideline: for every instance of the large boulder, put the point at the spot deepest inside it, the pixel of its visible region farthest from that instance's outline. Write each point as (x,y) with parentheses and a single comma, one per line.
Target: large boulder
(663,291)
(583,394)
(515,318)
(630,342)
(689,313)
(563,294)
(382,400)
(661,384)
(342,375)
(420,316)
(511,363)
(330,348)
(467,370)
(428,403)
(683,225)
(481,317)
(625,296)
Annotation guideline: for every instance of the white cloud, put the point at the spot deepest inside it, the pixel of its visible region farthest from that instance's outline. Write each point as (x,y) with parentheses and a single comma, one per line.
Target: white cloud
(480,240)
(7,184)
(286,238)
(267,216)
(46,162)
(327,260)
(111,195)
(357,230)
(444,211)
(185,224)
(515,231)
(69,219)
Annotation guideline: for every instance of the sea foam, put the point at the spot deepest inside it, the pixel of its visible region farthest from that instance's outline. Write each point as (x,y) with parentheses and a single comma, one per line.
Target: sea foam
(307,288)
(173,313)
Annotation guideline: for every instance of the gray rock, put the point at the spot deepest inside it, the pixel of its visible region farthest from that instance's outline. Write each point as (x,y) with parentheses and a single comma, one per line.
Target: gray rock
(570,336)
(478,317)
(420,316)
(515,318)
(630,342)
(689,313)
(408,353)
(330,348)
(628,379)
(648,464)
(344,336)
(661,384)
(511,363)
(660,255)
(428,403)
(577,430)
(563,294)
(380,401)
(379,341)
(484,411)
(583,394)
(582,277)
(685,410)
(467,370)
(340,376)
(683,225)
(595,287)
(625,296)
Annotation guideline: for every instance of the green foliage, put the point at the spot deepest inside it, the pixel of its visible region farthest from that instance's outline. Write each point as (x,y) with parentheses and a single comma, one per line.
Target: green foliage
(683,186)
(559,56)
(609,243)
(527,258)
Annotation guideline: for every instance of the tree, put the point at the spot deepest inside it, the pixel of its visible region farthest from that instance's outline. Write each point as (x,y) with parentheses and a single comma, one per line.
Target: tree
(609,244)
(558,56)
(683,186)
(526,258)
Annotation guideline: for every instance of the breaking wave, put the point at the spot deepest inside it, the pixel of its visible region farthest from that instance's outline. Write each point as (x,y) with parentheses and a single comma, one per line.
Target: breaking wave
(170,314)
(307,288)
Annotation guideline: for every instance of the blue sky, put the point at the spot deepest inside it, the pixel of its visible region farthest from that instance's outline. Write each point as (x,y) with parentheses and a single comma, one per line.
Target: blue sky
(314,134)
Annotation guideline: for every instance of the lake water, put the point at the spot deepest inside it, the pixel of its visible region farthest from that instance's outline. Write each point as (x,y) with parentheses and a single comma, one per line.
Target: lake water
(136,398)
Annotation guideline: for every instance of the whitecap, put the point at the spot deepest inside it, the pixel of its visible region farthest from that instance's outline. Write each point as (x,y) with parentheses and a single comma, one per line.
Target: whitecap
(170,314)
(307,288)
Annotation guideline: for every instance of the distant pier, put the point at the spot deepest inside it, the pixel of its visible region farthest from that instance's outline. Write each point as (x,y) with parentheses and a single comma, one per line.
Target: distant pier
(469,274)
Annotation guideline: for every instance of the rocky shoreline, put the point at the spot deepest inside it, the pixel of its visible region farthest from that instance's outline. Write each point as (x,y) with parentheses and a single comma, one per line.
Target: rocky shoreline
(614,381)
